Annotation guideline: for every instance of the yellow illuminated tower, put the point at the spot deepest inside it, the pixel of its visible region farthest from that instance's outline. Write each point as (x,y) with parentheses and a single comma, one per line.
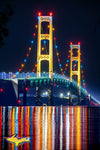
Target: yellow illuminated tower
(75,49)
(48,57)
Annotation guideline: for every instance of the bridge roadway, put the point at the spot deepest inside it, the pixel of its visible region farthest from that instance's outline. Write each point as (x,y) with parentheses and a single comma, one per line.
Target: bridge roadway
(22,80)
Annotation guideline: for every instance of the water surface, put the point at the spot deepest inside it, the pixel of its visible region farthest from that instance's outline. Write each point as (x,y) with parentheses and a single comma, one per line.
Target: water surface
(51,128)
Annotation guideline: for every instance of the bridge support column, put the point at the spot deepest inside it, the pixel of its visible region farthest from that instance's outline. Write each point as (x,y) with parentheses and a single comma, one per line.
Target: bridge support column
(79,96)
(50,91)
(18,94)
(70,99)
(44,36)
(79,101)
(24,97)
(38,100)
(73,59)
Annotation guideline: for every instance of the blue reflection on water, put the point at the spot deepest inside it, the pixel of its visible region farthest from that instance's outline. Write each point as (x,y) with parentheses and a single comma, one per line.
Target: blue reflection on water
(51,128)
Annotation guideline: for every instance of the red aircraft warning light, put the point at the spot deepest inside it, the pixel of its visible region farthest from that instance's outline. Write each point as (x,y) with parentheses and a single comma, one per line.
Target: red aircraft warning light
(78,43)
(19,101)
(50,13)
(39,13)
(33,69)
(1,90)
(26,88)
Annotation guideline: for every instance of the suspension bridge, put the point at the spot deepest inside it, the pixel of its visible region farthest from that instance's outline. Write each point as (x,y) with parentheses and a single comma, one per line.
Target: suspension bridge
(22,81)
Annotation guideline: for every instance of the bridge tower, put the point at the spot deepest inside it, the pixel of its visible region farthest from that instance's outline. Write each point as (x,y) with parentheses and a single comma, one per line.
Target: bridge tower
(48,57)
(75,57)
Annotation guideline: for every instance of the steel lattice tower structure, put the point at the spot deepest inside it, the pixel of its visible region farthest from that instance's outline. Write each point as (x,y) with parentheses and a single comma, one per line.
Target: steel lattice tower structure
(75,58)
(48,57)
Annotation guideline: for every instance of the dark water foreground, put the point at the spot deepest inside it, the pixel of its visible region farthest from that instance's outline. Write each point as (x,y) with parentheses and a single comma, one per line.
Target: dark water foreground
(51,128)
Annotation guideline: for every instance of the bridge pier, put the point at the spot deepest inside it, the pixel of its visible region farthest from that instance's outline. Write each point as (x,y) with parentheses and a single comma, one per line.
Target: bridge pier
(38,100)
(70,99)
(79,100)
(24,92)
(79,96)
(24,97)
(50,91)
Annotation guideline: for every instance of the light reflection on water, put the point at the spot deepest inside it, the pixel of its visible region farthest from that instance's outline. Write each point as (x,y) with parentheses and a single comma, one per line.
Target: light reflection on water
(49,128)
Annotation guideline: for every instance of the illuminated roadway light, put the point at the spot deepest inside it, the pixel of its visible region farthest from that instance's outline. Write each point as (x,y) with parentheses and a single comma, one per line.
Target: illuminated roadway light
(46,93)
(68,93)
(61,94)
(70,43)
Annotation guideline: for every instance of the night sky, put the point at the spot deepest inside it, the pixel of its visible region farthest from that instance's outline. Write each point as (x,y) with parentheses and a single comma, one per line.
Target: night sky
(73,20)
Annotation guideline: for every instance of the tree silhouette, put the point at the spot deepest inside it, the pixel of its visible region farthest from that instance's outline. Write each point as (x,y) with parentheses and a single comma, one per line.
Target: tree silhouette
(4,18)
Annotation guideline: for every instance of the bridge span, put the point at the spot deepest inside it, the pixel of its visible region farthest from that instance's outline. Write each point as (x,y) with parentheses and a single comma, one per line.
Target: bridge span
(23,81)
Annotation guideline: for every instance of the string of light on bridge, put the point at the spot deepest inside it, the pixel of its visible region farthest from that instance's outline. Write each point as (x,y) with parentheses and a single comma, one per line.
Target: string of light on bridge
(67,63)
(63,71)
(27,56)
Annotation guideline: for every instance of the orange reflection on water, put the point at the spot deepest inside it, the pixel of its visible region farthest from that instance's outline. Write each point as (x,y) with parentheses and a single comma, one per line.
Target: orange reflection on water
(27,125)
(13,125)
(71,128)
(38,128)
(19,124)
(49,127)
(78,128)
(10,124)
